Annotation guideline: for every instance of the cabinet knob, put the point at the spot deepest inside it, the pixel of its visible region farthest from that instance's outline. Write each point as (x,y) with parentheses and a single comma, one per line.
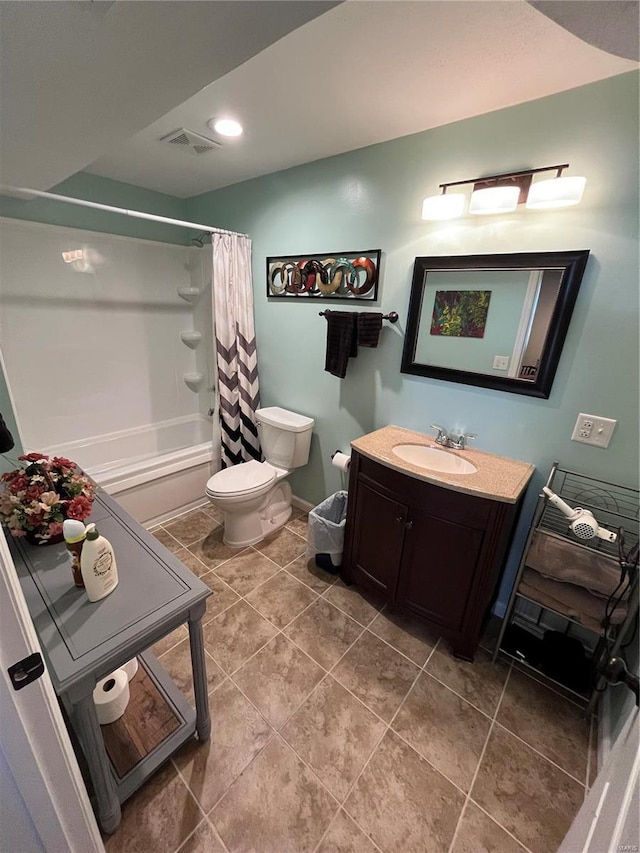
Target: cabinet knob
(399,519)
(409,525)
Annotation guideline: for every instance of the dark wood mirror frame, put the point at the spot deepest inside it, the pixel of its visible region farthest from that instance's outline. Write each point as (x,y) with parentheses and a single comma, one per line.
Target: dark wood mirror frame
(572,265)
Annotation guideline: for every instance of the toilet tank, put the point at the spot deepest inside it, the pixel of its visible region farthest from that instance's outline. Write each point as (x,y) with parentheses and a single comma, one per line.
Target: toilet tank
(285,436)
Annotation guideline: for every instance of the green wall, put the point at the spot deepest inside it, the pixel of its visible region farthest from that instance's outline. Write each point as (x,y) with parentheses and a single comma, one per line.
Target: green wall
(372,198)
(105,191)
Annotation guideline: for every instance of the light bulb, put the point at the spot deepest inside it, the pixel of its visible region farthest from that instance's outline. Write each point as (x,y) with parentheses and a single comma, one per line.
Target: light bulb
(226,126)
(494,200)
(445,206)
(556,192)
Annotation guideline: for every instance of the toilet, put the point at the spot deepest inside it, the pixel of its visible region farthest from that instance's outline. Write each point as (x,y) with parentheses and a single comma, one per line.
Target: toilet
(254,496)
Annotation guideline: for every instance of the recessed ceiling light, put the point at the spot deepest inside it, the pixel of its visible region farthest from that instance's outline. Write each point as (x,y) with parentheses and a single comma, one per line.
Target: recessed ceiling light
(226,126)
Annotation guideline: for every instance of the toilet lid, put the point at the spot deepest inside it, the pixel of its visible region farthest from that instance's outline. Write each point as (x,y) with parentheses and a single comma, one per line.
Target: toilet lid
(239,479)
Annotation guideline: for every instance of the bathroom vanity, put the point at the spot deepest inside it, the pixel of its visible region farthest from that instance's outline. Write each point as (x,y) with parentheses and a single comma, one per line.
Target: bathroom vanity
(430,541)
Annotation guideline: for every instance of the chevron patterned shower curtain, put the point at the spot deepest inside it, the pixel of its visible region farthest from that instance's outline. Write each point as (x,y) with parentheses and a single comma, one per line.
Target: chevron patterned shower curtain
(236,355)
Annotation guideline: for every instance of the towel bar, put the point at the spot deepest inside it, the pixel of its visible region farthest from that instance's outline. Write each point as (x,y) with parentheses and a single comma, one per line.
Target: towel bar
(392,317)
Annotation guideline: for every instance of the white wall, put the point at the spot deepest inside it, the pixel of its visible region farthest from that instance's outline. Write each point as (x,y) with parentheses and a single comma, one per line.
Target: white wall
(88,353)
(17,831)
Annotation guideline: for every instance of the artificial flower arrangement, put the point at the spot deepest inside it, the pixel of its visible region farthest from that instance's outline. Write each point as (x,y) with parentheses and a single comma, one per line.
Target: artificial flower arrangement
(41,493)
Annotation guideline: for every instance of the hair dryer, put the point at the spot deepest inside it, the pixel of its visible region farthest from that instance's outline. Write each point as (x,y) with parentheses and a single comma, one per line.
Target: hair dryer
(581,522)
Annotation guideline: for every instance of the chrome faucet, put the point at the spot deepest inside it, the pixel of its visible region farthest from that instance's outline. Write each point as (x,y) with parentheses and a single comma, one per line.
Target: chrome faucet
(442,436)
(458,442)
(462,440)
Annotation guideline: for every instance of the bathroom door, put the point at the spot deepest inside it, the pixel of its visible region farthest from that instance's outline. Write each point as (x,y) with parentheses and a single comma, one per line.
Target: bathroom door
(38,758)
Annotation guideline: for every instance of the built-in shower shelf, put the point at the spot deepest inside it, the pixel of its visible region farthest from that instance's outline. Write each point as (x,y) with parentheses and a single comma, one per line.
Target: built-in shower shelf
(193,380)
(189,294)
(191,339)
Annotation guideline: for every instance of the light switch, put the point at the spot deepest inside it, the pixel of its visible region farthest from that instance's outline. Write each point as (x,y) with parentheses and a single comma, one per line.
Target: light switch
(501,362)
(592,429)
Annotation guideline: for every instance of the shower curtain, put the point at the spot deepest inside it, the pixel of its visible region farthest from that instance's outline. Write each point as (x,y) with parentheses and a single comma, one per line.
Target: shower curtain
(236,355)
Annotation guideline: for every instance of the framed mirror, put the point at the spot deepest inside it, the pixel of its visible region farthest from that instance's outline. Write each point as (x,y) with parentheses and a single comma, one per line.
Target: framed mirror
(496,321)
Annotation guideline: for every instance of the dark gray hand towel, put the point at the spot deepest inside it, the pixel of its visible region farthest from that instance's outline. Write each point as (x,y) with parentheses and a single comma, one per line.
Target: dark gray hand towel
(342,341)
(369,326)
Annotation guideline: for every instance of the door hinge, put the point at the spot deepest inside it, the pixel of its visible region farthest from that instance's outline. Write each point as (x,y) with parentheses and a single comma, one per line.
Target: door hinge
(26,670)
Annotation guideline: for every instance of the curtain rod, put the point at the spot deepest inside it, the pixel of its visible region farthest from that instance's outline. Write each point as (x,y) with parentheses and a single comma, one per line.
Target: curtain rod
(122,210)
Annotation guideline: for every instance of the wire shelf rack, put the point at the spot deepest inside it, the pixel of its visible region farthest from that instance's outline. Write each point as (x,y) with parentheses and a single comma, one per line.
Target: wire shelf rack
(614,507)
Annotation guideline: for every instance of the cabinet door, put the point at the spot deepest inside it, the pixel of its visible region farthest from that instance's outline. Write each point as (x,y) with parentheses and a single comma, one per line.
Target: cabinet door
(378,532)
(438,567)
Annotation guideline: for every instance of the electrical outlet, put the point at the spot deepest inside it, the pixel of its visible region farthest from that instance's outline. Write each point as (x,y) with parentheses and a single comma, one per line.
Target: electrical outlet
(501,362)
(591,429)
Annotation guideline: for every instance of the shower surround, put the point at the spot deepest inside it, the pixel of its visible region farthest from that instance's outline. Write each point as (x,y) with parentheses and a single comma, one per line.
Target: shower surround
(90,326)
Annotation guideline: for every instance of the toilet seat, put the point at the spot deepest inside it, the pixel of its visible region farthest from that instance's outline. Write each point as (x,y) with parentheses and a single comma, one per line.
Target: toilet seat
(247,478)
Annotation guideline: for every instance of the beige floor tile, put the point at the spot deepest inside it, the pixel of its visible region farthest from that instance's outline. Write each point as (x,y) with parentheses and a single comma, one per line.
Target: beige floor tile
(305,570)
(177,662)
(281,598)
(547,722)
(233,636)
(324,632)
(343,836)
(214,511)
(376,674)
(157,818)
(192,562)
(238,734)
(334,734)
(170,640)
(447,731)
(526,794)
(403,803)
(405,633)
(477,833)
(276,806)
(222,595)
(246,571)
(278,679)
(282,547)
(212,551)
(357,602)
(167,540)
(190,527)
(203,840)
(480,682)
(299,525)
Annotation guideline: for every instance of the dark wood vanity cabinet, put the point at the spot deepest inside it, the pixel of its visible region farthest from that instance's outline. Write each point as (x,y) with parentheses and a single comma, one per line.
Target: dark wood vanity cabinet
(430,550)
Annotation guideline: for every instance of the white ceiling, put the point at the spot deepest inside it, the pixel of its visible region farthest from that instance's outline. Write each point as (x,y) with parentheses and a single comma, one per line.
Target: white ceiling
(79,78)
(94,84)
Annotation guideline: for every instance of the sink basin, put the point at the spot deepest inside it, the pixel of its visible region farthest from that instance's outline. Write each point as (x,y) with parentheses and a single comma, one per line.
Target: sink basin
(433,459)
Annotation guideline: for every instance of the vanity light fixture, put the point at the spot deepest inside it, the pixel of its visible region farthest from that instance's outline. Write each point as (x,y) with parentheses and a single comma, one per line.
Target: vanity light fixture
(503,193)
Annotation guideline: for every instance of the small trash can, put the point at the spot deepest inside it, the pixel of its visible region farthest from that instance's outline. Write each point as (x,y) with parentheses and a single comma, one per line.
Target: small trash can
(325,533)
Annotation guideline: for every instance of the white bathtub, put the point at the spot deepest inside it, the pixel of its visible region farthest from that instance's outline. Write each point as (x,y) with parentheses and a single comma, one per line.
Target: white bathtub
(153,471)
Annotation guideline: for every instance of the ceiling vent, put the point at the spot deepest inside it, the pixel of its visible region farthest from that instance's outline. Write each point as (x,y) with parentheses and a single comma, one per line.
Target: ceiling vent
(190,142)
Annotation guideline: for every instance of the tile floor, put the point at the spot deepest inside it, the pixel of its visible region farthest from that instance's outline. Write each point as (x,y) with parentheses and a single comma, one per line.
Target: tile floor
(339,727)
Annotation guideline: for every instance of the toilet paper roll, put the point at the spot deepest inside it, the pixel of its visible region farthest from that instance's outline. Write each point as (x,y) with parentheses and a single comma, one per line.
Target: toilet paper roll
(111,697)
(341,461)
(131,667)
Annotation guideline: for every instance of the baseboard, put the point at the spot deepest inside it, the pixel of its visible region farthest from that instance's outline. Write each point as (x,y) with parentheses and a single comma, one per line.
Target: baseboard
(298,503)
(604,728)
(174,513)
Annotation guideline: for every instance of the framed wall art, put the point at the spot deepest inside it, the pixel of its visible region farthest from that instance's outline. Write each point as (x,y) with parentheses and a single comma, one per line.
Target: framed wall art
(336,276)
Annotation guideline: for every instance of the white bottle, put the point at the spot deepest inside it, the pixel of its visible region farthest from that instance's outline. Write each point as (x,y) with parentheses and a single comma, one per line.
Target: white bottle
(98,565)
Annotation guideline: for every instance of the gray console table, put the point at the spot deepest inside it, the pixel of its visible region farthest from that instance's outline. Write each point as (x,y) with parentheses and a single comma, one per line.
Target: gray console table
(83,642)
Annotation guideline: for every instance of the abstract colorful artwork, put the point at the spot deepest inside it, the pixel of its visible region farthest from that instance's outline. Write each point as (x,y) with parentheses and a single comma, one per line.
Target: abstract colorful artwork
(460,313)
(334,275)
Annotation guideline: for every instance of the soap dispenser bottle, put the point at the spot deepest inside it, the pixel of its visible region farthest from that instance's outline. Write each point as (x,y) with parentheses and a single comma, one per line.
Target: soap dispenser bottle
(74,533)
(98,565)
